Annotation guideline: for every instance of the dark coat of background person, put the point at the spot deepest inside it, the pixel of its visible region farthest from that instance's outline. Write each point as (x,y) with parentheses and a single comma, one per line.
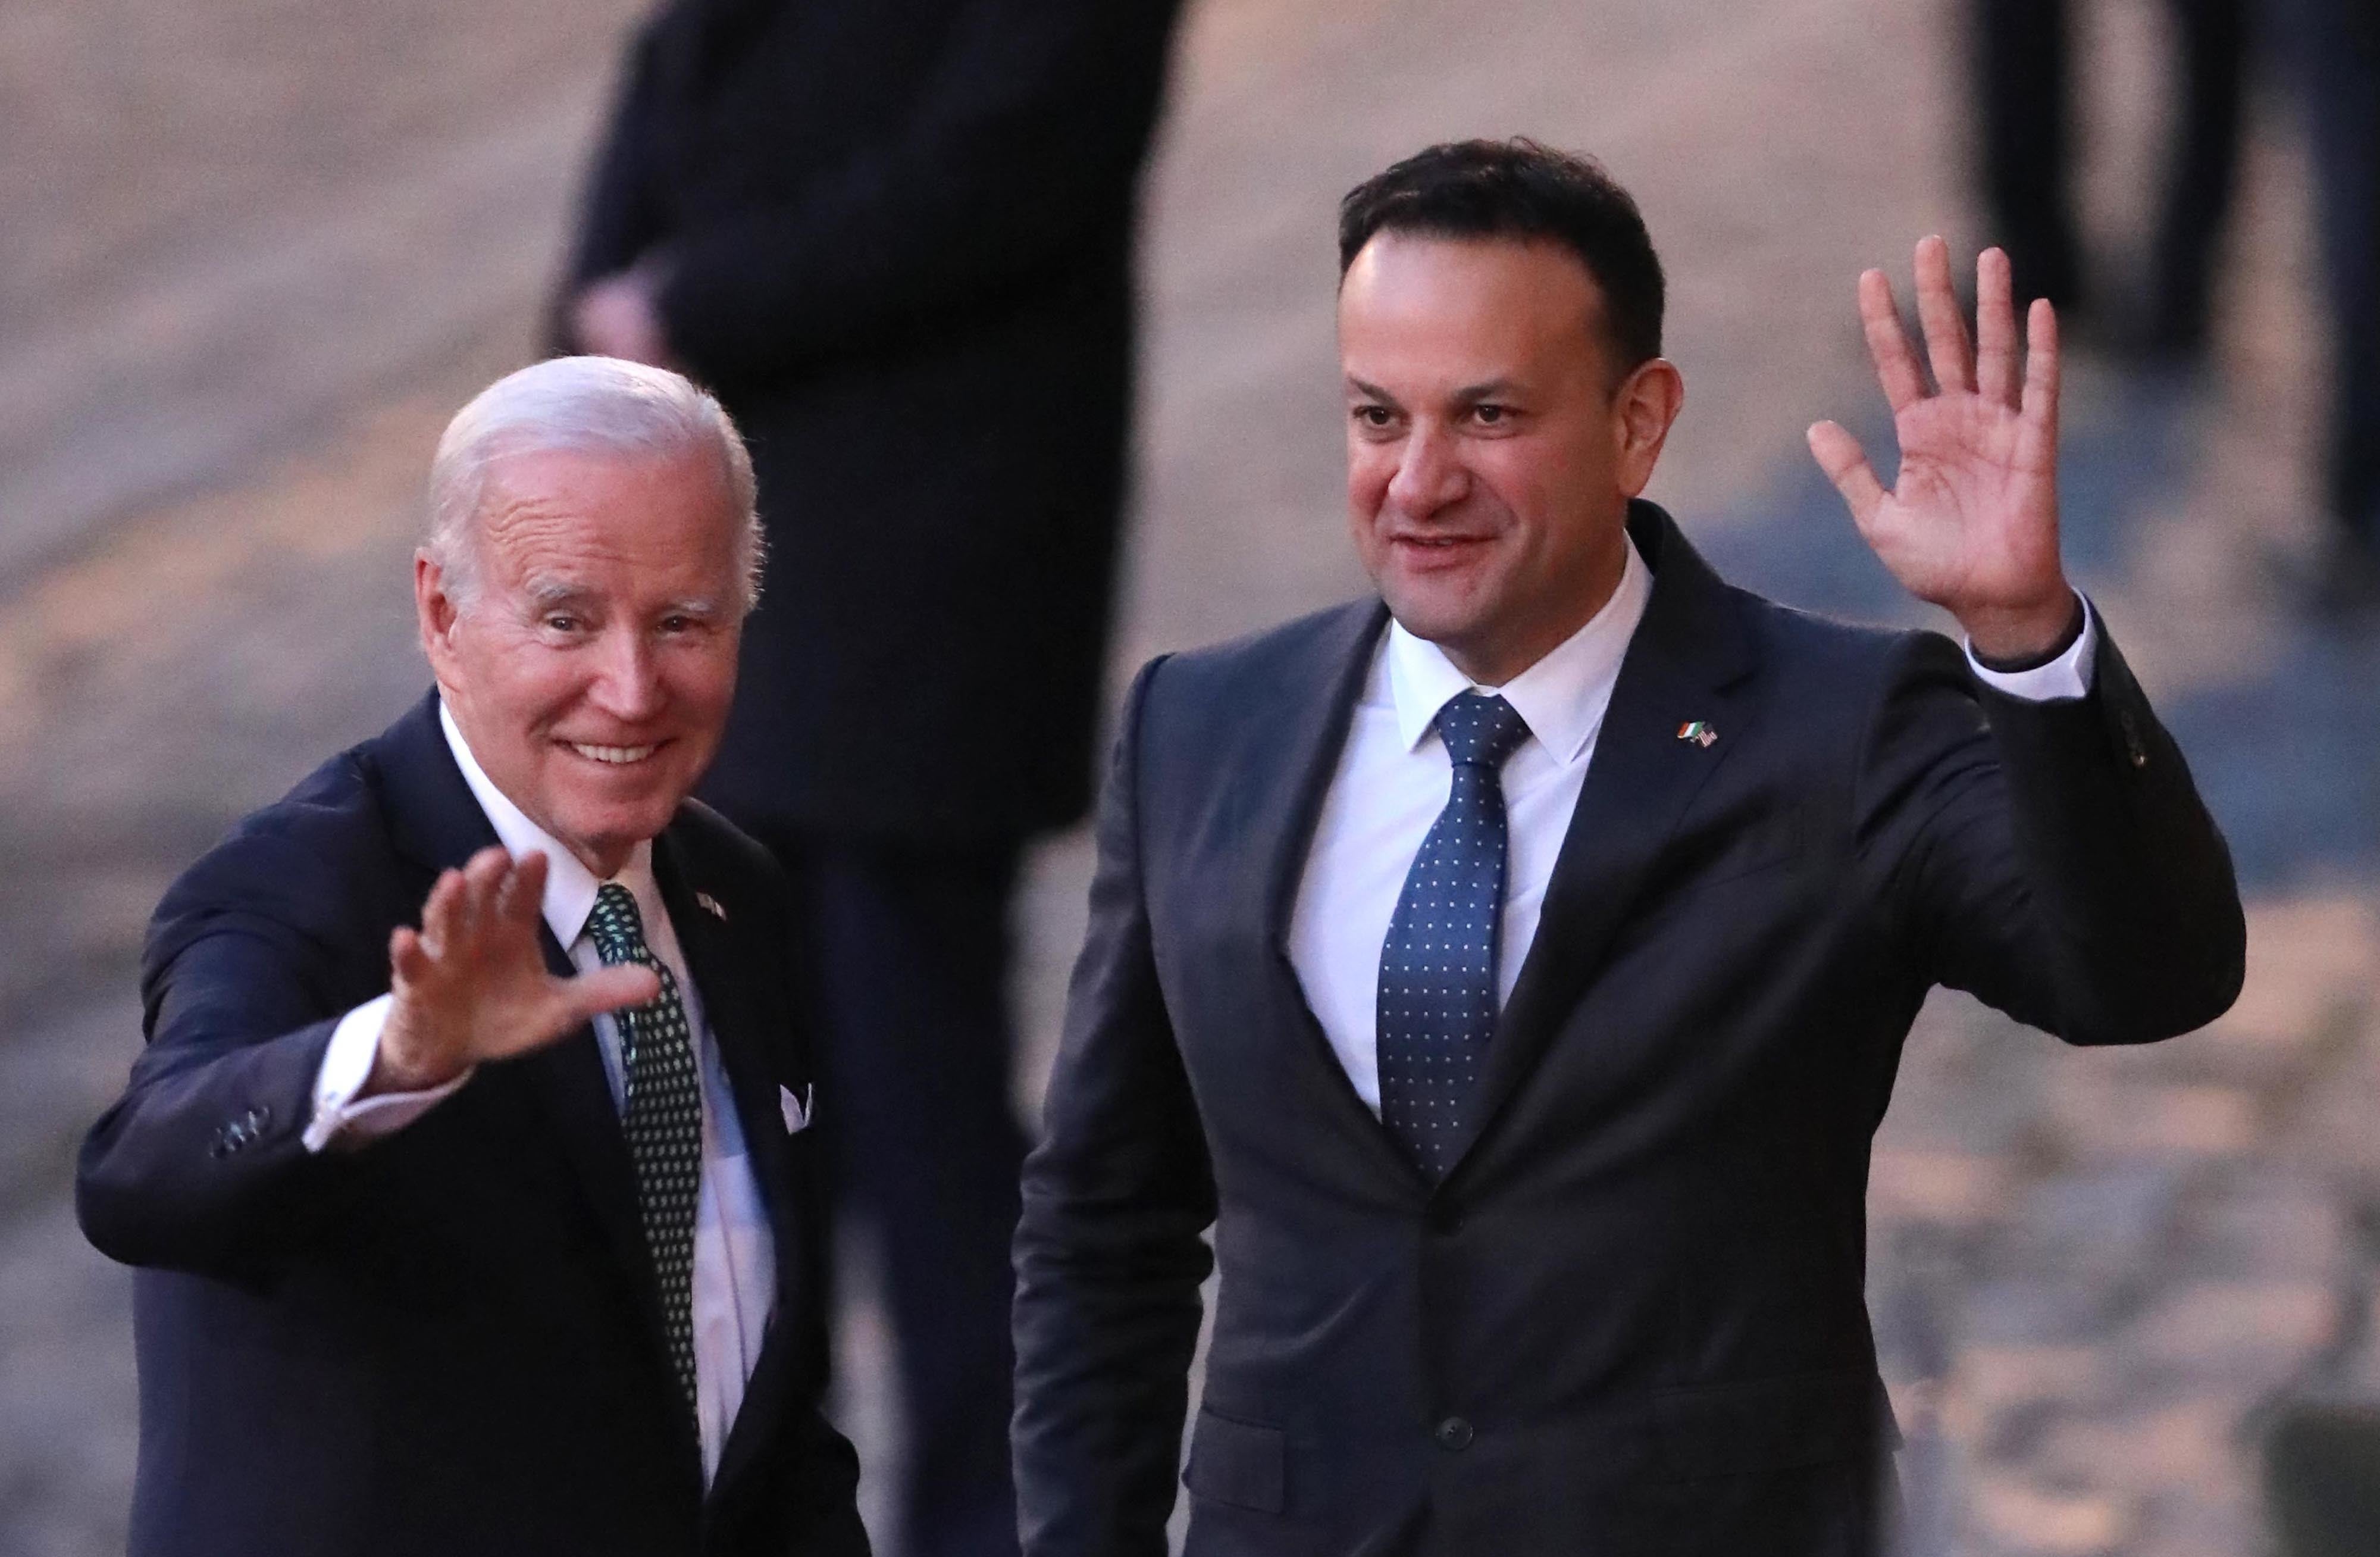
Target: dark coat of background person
(2025,87)
(898,244)
(447,1341)
(1630,1319)
(898,241)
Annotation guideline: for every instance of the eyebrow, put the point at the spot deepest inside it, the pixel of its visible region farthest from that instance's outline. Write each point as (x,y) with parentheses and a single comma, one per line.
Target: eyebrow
(1468,393)
(545,593)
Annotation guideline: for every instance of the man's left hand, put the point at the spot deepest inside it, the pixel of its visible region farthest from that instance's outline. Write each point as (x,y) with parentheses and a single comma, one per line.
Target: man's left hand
(617,316)
(1971,524)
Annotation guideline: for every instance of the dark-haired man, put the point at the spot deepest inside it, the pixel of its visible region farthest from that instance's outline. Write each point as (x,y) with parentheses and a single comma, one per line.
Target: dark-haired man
(1512,971)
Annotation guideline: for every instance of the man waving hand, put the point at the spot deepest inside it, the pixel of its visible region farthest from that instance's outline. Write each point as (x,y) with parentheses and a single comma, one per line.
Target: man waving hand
(1512,971)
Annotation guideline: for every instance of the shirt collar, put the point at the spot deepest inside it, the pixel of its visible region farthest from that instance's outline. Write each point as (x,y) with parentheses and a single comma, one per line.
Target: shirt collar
(1561,698)
(569,886)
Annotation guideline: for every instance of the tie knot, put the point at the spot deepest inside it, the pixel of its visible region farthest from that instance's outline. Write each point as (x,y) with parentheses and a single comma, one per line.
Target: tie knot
(615,927)
(1480,729)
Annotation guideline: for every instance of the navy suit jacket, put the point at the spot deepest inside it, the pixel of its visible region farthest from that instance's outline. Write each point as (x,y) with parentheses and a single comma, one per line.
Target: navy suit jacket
(1630,1319)
(448,1340)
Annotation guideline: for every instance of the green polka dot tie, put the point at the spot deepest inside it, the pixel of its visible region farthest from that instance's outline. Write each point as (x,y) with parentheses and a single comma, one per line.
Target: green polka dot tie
(1438,967)
(663,1118)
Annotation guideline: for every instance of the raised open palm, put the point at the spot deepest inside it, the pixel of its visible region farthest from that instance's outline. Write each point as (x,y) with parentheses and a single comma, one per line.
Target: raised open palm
(1971,523)
(471,985)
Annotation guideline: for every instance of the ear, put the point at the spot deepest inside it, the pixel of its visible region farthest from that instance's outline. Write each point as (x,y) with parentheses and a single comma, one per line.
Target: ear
(435,613)
(1643,408)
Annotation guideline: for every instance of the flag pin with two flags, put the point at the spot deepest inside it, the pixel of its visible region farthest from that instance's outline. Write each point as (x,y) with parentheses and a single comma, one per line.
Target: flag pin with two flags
(1697,731)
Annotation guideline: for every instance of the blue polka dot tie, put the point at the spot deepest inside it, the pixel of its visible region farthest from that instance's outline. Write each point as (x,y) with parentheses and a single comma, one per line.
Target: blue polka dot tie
(1437,967)
(662,1119)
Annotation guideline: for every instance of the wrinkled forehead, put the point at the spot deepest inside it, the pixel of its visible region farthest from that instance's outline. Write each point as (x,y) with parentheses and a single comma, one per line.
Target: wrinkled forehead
(660,523)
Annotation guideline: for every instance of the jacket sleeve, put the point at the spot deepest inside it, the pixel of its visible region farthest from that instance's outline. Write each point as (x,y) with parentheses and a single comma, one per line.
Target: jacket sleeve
(1023,157)
(1109,1253)
(201,1165)
(2051,858)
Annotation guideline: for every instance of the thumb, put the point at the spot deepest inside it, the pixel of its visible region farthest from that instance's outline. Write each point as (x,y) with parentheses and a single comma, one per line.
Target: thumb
(1840,455)
(605,989)
(564,1005)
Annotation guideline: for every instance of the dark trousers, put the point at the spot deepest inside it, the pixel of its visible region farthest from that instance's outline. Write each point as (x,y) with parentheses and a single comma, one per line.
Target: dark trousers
(2022,57)
(2333,50)
(907,947)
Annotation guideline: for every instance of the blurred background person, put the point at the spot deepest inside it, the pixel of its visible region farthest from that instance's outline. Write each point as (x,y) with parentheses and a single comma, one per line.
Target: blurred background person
(2026,85)
(898,241)
(2332,56)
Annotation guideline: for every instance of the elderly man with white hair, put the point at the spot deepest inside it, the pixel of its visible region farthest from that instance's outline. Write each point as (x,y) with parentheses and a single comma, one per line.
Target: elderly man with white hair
(467,1166)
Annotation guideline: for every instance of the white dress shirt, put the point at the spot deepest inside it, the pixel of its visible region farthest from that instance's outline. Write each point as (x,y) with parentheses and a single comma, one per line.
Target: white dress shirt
(1393,778)
(734,1253)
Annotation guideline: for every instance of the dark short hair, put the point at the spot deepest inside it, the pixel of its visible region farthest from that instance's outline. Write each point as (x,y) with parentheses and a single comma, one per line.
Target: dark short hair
(1521,190)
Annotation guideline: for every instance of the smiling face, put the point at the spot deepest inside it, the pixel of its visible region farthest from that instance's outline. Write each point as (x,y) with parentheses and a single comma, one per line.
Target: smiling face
(591,664)
(1490,457)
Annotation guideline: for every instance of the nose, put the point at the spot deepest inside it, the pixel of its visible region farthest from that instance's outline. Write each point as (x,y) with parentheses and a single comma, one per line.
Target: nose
(627,680)
(1429,473)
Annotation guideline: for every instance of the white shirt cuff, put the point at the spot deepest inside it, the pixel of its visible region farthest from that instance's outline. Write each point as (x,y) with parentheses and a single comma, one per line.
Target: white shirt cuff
(339,1114)
(2069,676)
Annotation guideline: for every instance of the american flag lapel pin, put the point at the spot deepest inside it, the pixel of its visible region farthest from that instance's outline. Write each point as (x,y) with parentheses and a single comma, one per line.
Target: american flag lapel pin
(710,904)
(1697,731)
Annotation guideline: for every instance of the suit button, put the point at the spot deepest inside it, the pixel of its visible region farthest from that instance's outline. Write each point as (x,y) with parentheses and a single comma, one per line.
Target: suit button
(1445,1220)
(1454,1434)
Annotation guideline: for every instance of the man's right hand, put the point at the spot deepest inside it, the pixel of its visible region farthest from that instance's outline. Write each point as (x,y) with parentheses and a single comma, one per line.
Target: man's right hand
(471,985)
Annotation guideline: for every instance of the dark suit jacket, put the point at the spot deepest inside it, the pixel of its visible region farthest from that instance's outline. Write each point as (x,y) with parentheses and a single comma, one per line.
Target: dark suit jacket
(1630,1319)
(447,1341)
(898,243)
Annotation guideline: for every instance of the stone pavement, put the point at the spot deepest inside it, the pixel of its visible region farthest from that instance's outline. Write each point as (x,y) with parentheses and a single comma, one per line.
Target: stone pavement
(257,250)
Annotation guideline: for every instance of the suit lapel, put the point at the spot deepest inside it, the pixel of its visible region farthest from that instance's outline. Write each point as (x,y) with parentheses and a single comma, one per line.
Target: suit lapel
(1281,803)
(1686,663)
(738,1023)
(437,821)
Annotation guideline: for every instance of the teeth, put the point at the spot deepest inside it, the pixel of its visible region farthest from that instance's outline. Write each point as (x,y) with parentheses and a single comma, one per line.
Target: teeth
(613,753)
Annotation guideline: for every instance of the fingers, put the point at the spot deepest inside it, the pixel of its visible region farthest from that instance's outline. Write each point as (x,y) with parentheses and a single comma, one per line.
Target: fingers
(1896,365)
(522,894)
(1994,330)
(1840,455)
(483,880)
(440,921)
(1937,311)
(2040,402)
(409,961)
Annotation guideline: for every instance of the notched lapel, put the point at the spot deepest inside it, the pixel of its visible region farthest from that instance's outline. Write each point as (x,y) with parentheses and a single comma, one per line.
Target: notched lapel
(737,1025)
(1312,716)
(720,965)
(435,819)
(1687,665)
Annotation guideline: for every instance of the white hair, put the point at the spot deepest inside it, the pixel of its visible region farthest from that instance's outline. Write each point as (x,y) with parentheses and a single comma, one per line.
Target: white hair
(590,404)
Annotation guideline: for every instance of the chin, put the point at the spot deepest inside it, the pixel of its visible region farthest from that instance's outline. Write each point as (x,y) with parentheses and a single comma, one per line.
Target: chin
(1431,613)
